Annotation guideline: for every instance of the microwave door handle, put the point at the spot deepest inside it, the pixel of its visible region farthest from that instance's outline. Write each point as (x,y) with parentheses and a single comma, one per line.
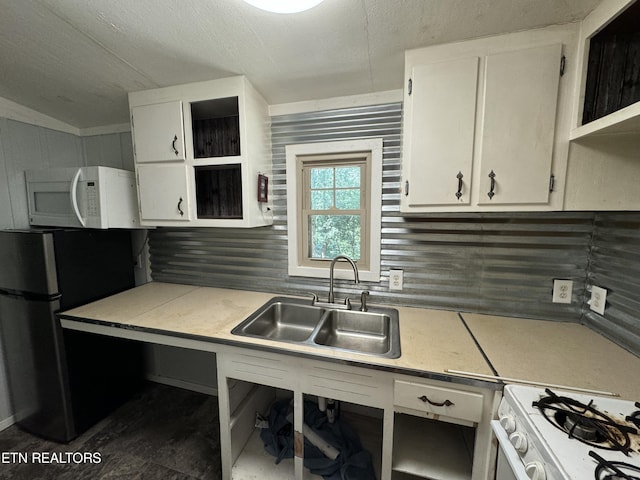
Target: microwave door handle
(74,197)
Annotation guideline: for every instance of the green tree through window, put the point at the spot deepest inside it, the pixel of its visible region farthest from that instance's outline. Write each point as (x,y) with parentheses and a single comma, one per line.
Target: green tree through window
(335,211)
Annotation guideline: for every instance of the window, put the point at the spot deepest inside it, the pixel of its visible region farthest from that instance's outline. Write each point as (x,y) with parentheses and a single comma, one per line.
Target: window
(334,201)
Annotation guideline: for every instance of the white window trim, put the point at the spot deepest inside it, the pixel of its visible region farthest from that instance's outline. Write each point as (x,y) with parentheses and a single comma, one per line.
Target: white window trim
(372,146)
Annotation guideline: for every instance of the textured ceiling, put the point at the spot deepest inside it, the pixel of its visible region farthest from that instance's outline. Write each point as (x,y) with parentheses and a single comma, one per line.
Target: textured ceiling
(75,60)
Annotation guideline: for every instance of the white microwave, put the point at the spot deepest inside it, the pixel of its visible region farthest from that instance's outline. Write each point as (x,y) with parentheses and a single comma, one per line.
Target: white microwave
(89,197)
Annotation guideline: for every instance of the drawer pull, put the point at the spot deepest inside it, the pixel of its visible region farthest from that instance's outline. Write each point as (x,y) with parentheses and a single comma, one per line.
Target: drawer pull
(446,403)
(173,144)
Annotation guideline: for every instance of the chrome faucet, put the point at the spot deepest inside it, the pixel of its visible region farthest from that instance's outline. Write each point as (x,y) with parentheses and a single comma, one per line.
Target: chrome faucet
(332,300)
(356,278)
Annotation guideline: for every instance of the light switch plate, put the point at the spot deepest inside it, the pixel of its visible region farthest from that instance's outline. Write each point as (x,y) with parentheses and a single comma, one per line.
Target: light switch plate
(598,299)
(395,279)
(562,291)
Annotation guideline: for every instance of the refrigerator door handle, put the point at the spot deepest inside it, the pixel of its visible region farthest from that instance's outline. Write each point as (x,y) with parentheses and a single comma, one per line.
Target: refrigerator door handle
(74,197)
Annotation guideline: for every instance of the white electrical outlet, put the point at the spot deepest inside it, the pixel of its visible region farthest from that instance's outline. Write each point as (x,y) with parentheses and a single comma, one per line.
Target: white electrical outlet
(598,299)
(562,291)
(395,279)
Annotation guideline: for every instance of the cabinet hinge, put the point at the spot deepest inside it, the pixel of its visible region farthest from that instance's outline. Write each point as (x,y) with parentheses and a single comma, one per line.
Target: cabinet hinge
(563,64)
(410,86)
(134,143)
(552,183)
(406,187)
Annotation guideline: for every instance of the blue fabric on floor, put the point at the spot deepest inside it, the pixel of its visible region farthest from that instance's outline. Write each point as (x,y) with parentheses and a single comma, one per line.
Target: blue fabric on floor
(353,463)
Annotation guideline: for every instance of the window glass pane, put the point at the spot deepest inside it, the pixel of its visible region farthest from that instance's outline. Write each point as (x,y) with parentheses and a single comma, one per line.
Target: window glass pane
(348,199)
(321,199)
(331,235)
(347,177)
(322,177)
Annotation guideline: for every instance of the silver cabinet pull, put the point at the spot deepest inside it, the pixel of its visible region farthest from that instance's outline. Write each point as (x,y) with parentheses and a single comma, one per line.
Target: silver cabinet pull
(446,403)
(180,207)
(459,192)
(491,193)
(173,144)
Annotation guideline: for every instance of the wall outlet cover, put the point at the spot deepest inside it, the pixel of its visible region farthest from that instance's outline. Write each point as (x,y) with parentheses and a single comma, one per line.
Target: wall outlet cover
(395,279)
(598,299)
(562,290)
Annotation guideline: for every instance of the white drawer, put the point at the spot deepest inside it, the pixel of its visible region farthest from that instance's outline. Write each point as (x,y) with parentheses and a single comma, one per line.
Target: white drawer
(438,401)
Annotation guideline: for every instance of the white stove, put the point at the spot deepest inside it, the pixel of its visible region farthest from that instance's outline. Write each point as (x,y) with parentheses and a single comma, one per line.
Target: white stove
(547,434)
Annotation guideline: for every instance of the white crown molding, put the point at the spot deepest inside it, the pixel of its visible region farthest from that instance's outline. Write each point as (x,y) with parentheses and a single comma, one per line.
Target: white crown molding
(377,98)
(105,129)
(20,113)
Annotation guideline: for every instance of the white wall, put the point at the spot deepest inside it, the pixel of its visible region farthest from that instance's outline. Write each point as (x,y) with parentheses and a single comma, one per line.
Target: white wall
(182,367)
(604,173)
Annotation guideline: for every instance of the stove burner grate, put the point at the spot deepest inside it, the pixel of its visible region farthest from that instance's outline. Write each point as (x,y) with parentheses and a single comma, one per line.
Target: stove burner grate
(635,416)
(606,470)
(585,423)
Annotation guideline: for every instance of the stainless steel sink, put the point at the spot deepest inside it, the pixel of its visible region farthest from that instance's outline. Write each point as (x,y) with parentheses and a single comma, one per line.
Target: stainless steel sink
(284,319)
(375,332)
(359,331)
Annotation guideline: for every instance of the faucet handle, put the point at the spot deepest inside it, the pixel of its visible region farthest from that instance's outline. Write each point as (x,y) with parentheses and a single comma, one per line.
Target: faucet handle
(363,300)
(314,299)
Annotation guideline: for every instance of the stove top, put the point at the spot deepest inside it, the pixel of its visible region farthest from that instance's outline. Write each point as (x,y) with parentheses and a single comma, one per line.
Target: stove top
(584,422)
(576,436)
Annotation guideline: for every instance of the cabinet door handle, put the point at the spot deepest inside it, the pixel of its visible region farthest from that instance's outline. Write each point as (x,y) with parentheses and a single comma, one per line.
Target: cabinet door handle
(491,193)
(459,192)
(446,403)
(180,207)
(173,144)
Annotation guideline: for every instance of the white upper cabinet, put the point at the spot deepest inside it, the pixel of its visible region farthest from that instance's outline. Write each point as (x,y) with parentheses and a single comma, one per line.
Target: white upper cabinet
(202,151)
(442,112)
(173,203)
(158,132)
(483,130)
(518,125)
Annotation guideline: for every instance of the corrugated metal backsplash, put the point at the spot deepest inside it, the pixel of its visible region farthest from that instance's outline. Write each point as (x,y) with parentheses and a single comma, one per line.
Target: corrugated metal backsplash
(498,263)
(614,264)
(501,263)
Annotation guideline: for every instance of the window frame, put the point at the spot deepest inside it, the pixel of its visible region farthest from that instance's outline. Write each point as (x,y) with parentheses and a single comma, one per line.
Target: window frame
(304,165)
(371,187)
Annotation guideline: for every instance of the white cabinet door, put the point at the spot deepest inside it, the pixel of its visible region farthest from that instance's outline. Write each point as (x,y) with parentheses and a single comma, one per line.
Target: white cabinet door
(158,132)
(163,193)
(521,93)
(439,133)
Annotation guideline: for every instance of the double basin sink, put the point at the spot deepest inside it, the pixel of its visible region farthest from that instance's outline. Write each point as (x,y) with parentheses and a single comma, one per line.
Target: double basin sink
(374,332)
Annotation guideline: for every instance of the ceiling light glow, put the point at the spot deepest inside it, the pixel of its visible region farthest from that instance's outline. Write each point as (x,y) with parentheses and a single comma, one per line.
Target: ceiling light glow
(284,6)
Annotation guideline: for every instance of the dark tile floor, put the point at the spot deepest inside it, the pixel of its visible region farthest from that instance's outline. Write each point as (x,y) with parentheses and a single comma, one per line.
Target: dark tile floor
(162,433)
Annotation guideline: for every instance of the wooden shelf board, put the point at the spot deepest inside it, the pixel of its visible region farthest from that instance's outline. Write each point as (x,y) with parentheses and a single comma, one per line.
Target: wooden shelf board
(626,120)
(255,463)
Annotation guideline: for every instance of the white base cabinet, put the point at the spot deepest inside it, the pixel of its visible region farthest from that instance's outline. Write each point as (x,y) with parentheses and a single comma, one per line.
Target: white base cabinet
(408,437)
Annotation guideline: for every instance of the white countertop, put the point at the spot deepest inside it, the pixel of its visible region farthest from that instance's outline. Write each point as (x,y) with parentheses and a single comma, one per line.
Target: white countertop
(556,353)
(432,341)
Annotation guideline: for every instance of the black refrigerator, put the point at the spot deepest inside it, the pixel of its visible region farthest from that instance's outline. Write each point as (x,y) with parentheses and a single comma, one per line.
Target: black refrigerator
(61,382)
